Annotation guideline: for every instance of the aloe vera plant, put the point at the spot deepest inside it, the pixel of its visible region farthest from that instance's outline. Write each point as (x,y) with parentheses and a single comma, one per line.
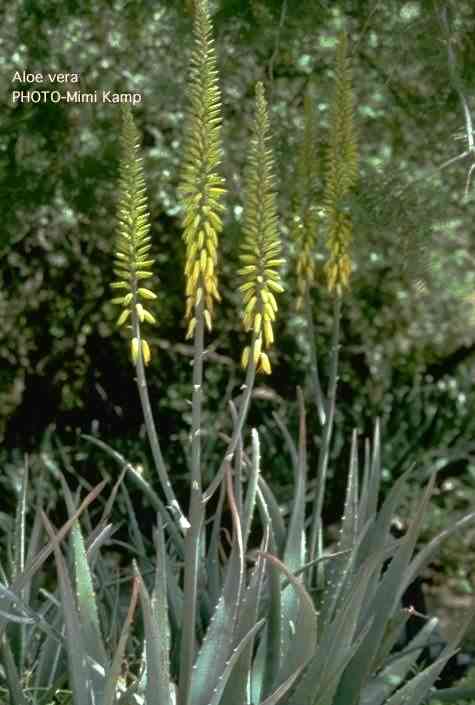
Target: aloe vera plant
(280,619)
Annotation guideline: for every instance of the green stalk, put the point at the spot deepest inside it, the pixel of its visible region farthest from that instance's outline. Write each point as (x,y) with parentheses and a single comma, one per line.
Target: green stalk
(243,409)
(324,452)
(319,398)
(196,512)
(151,430)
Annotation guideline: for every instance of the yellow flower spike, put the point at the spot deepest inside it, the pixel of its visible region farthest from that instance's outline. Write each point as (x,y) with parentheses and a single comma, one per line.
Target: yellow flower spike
(132,260)
(342,174)
(145,351)
(201,186)
(261,248)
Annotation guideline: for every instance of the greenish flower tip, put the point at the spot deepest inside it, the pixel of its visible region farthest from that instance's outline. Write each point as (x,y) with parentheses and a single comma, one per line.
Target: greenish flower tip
(261,247)
(131,258)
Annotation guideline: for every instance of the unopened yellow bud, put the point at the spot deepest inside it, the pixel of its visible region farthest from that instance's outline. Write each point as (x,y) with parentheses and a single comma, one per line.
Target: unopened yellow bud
(250,305)
(146,293)
(145,351)
(209,268)
(134,347)
(265,364)
(257,349)
(140,312)
(268,333)
(245,356)
(148,317)
(275,287)
(123,317)
(269,312)
(191,328)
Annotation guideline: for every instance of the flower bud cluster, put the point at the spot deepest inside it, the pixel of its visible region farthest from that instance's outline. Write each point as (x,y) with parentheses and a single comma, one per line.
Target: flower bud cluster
(132,259)
(342,173)
(201,186)
(261,247)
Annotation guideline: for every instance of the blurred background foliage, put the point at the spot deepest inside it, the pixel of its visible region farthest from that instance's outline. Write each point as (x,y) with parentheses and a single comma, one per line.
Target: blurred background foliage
(408,330)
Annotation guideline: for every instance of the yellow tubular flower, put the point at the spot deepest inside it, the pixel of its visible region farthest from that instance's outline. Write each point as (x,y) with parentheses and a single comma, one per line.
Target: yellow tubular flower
(201,186)
(342,173)
(261,248)
(133,241)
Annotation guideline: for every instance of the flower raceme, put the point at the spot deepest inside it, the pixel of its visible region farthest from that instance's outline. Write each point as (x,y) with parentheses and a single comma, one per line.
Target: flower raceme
(342,173)
(261,245)
(132,263)
(201,185)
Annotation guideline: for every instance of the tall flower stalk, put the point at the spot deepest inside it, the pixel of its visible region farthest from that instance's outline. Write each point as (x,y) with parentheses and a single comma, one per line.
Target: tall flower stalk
(132,268)
(260,277)
(341,177)
(201,190)
(305,233)
(305,218)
